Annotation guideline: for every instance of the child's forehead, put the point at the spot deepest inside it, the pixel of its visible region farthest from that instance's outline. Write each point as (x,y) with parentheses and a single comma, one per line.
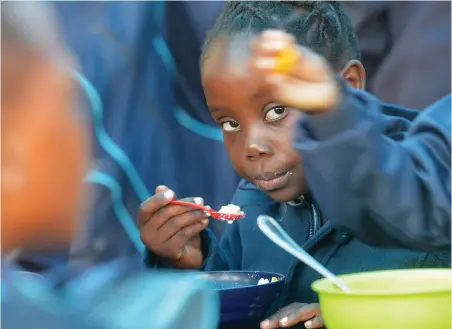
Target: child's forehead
(229,52)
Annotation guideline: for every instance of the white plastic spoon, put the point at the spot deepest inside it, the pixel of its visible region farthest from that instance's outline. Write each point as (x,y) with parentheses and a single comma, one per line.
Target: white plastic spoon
(276,233)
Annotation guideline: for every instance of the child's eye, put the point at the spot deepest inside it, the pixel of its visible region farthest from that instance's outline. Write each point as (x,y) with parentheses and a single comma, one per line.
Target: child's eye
(275,113)
(230,126)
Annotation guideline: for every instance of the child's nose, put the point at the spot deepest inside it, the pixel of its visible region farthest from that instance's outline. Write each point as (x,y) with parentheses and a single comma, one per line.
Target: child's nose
(255,151)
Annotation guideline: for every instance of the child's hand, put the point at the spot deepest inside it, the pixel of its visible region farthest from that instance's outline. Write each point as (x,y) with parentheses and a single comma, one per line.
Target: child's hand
(172,232)
(296,76)
(295,313)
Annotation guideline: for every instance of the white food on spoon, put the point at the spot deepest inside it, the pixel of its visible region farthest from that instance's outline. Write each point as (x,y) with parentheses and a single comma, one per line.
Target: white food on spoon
(231,209)
(263,281)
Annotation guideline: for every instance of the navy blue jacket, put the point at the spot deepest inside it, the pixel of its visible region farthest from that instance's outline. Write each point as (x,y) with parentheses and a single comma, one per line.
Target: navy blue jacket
(244,247)
(399,191)
(146,112)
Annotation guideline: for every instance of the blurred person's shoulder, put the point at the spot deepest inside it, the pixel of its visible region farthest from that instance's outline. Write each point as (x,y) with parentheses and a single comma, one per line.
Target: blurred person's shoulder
(91,300)
(28,301)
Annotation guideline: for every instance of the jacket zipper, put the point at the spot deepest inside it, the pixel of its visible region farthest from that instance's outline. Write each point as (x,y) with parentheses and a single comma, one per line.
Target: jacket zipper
(314,227)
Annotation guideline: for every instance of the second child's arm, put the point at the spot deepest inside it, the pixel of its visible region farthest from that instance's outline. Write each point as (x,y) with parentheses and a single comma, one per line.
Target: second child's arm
(386,192)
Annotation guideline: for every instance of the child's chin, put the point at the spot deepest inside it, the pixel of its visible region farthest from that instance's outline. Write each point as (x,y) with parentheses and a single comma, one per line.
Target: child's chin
(284,195)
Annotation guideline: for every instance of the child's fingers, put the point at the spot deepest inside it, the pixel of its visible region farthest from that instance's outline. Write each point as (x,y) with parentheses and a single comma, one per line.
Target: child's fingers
(298,62)
(149,207)
(164,214)
(312,66)
(315,323)
(307,96)
(271,43)
(301,314)
(170,221)
(161,189)
(177,224)
(272,34)
(293,314)
(274,320)
(176,245)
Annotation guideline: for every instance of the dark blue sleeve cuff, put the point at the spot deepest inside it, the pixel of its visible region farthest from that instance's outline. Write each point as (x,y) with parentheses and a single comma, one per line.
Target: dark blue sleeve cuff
(209,246)
(153,261)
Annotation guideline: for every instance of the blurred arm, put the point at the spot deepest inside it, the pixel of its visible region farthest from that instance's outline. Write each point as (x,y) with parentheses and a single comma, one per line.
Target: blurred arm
(386,192)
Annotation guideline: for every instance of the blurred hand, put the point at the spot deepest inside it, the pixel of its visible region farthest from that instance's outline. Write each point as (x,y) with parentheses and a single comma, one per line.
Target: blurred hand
(296,76)
(288,316)
(172,232)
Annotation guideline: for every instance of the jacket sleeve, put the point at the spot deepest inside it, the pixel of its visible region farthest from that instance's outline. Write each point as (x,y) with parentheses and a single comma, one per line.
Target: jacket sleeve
(220,255)
(386,192)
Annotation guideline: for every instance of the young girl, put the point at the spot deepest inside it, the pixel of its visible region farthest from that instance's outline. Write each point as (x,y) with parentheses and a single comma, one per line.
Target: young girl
(259,126)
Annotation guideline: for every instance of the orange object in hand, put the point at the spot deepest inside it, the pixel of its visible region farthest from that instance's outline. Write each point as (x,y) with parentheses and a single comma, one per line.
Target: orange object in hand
(287,59)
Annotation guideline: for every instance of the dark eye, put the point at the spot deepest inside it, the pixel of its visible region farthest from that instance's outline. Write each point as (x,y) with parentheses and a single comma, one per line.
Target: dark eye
(230,125)
(276,113)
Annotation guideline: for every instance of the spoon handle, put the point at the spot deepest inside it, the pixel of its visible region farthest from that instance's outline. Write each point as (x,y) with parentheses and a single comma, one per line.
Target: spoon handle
(277,234)
(210,212)
(190,204)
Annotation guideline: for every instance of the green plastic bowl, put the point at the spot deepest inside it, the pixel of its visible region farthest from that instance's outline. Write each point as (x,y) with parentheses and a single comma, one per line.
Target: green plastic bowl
(401,299)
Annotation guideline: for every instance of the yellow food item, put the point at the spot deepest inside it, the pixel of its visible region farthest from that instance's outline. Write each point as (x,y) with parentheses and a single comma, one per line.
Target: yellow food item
(274,279)
(287,59)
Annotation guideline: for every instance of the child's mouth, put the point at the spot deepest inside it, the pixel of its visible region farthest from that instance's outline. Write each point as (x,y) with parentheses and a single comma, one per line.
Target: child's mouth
(272,182)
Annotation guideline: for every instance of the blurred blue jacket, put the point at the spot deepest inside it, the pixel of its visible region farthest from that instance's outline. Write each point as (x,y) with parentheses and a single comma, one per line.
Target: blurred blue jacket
(115,43)
(109,296)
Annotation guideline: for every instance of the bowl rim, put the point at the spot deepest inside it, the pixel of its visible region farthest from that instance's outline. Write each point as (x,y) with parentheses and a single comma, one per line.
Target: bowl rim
(325,286)
(282,278)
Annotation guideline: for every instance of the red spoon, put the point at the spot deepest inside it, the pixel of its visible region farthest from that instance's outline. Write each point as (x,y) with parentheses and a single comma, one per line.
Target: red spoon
(211,212)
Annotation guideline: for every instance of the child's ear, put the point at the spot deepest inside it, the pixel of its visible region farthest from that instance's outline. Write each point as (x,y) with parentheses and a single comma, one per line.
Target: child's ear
(355,74)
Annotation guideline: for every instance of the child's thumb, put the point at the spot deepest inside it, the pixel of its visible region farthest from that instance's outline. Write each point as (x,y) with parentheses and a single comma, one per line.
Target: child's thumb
(161,189)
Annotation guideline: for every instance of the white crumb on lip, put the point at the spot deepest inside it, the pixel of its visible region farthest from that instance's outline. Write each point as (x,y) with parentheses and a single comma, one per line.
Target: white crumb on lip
(230,209)
(263,281)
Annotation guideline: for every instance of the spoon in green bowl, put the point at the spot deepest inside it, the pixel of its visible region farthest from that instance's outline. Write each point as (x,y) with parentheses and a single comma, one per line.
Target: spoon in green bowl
(276,233)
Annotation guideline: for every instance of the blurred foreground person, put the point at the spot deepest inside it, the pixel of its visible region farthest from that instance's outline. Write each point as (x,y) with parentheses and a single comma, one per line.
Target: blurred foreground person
(44,159)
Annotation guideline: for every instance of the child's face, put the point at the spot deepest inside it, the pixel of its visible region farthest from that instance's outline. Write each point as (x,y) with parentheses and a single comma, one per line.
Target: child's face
(258,132)
(44,153)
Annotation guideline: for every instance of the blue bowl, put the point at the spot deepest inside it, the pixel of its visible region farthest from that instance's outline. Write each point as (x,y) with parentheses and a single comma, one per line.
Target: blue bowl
(244,303)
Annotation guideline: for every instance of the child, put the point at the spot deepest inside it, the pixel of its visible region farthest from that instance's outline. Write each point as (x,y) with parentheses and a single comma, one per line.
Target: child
(44,160)
(44,144)
(258,133)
